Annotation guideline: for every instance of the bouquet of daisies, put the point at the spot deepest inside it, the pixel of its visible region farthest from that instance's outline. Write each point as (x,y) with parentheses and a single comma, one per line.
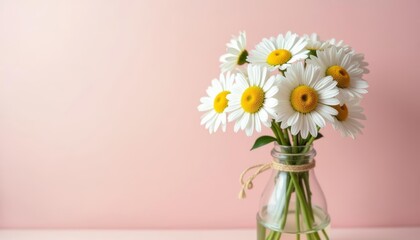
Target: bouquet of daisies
(291,84)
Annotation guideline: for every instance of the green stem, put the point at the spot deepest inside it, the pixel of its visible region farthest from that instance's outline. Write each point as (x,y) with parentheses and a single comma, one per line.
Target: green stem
(307,187)
(295,140)
(274,235)
(280,133)
(303,179)
(295,184)
(294,148)
(297,219)
(301,198)
(309,236)
(286,207)
(286,136)
(304,205)
(261,231)
(308,144)
(325,234)
(273,128)
(308,194)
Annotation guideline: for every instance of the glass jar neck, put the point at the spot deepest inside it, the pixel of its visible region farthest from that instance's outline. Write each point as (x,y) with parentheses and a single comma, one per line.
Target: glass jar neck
(293,155)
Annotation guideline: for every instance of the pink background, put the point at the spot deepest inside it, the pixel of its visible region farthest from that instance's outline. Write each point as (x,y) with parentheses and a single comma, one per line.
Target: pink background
(99,127)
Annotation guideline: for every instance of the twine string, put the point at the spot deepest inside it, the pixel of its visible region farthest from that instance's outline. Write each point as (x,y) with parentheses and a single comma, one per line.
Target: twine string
(247,185)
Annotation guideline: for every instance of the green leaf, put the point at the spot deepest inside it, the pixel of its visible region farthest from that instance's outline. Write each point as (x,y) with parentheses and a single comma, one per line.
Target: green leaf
(263,140)
(319,136)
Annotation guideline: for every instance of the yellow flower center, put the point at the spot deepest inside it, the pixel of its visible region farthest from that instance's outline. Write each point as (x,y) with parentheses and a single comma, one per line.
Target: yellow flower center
(340,75)
(304,99)
(220,102)
(343,112)
(279,57)
(252,99)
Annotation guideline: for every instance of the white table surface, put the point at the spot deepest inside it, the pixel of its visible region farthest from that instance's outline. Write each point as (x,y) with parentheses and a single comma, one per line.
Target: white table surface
(245,234)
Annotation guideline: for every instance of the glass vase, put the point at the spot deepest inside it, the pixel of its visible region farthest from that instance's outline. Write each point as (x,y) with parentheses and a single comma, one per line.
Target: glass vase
(293,205)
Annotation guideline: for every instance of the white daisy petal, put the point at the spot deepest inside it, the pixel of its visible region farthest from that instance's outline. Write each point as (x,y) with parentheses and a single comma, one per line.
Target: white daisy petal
(237,126)
(211,122)
(207,117)
(262,114)
(304,128)
(236,52)
(349,68)
(270,102)
(318,119)
(303,98)
(269,84)
(292,120)
(257,124)
(249,128)
(216,103)
(252,99)
(327,112)
(314,43)
(245,120)
(297,127)
(235,115)
(346,121)
(272,92)
(312,126)
(204,107)
(218,122)
(330,101)
(281,50)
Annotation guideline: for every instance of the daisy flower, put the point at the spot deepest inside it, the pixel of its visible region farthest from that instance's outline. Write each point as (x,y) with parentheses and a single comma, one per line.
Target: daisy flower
(360,57)
(280,52)
(314,43)
(345,70)
(252,100)
(304,99)
(357,56)
(236,53)
(216,102)
(346,121)
(338,44)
